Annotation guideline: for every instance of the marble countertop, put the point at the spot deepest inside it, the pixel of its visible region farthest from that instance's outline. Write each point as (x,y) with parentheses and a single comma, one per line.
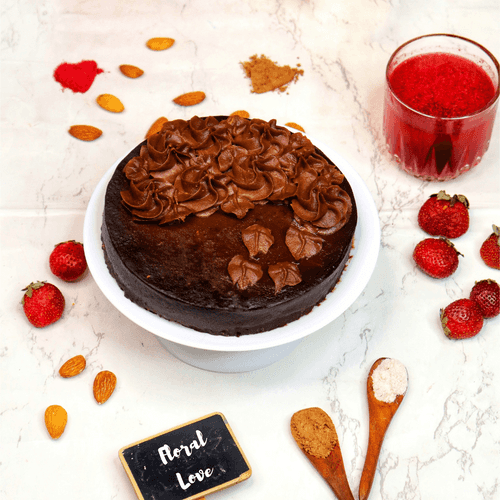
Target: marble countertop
(444,442)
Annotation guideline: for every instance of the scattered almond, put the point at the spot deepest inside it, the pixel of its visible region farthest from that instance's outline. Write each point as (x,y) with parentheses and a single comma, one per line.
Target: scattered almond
(156,127)
(131,71)
(160,43)
(85,132)
(110,103)
(104,385)
(294,125)
(242,113)
(190,99)
(73,367)
(56,418)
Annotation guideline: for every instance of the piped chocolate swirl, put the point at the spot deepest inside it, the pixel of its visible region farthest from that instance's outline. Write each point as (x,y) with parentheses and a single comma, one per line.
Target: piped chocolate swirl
(202,165)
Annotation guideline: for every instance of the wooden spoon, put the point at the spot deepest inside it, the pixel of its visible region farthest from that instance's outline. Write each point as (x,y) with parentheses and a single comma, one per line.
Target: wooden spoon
(381,414)
(328,461)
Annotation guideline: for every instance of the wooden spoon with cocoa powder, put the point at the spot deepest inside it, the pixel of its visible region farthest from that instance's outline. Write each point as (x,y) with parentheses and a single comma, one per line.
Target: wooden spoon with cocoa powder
(381,413)
(314,432)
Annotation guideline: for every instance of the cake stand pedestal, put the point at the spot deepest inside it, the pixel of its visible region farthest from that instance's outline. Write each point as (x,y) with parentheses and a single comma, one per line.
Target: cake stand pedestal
(230,361)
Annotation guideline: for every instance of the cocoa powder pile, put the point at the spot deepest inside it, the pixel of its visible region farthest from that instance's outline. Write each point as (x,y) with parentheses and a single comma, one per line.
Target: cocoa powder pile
(266,75)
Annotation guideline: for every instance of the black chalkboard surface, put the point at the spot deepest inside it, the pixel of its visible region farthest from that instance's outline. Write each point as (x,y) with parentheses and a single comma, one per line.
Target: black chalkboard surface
(186,462)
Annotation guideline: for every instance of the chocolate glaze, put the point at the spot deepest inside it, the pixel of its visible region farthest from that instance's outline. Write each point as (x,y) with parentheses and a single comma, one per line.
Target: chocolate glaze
(180,271)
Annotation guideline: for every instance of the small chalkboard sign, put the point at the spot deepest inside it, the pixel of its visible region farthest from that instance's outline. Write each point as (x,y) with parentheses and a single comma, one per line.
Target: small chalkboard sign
(186,462)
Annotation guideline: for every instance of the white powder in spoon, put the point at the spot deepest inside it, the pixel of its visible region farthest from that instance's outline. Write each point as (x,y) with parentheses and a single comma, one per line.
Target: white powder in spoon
(389,380)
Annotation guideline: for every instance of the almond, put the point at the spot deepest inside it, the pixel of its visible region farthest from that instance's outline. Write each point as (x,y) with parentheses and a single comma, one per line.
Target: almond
(73,367)
(242,113)
(104,385)
(294,125)
(131,71)
(110,103)
(85,132)
(190,99)
(156,127)
(56,418)
(160,43)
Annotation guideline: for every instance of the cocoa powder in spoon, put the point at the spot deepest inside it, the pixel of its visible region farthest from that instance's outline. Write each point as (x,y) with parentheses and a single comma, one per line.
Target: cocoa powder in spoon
(314,432)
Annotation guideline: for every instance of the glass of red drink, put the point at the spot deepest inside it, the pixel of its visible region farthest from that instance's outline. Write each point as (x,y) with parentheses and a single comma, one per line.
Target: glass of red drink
(441,97)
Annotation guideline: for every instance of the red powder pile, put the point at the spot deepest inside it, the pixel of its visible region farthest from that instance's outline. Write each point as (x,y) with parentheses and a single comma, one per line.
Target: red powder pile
(77,77)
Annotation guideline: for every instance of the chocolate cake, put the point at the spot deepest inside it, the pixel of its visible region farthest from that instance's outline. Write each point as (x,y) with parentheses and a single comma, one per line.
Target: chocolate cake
(227,226)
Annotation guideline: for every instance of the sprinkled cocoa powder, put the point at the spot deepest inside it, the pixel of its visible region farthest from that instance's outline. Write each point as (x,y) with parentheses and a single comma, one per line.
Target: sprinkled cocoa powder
(266,75)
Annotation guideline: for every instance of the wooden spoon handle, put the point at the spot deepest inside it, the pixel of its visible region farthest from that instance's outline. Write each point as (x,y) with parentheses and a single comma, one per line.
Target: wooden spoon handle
(339,484)
(375,440)
(333,472)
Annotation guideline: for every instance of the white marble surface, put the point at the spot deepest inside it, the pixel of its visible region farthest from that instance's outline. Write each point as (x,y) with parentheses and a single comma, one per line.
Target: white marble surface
(445,440)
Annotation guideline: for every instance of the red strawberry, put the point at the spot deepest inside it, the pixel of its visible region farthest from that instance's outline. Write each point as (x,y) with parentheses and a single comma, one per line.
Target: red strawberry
(486,294)
(490,249)
(436,257)
(67,260)
(445,215)
(461,319)
(43,303)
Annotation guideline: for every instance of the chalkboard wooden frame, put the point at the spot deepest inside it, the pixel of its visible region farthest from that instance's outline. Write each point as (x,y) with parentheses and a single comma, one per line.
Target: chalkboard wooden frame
(186,462)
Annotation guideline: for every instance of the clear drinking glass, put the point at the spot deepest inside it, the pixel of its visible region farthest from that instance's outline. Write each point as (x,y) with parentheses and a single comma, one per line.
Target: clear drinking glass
(429,146)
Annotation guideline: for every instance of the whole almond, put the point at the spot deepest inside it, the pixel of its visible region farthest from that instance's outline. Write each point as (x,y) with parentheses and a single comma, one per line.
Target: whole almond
(156,127)
(160,43)
(85,132)
(294,125)
(104,385)
(242,113)
(56,418)
(131,71)
(190,99)
(110,103)
(73,366)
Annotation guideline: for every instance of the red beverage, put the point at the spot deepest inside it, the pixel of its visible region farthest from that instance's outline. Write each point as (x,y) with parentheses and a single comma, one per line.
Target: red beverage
(440,104)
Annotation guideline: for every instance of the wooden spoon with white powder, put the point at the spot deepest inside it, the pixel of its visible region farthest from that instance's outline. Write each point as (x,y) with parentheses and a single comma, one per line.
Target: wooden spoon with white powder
(386,387)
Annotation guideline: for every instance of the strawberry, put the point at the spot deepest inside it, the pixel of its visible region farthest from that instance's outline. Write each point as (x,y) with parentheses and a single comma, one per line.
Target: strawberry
(490,249)
(445,215)
(43,303)
(67,260)
(486,294)
(461,319)
(436,257)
